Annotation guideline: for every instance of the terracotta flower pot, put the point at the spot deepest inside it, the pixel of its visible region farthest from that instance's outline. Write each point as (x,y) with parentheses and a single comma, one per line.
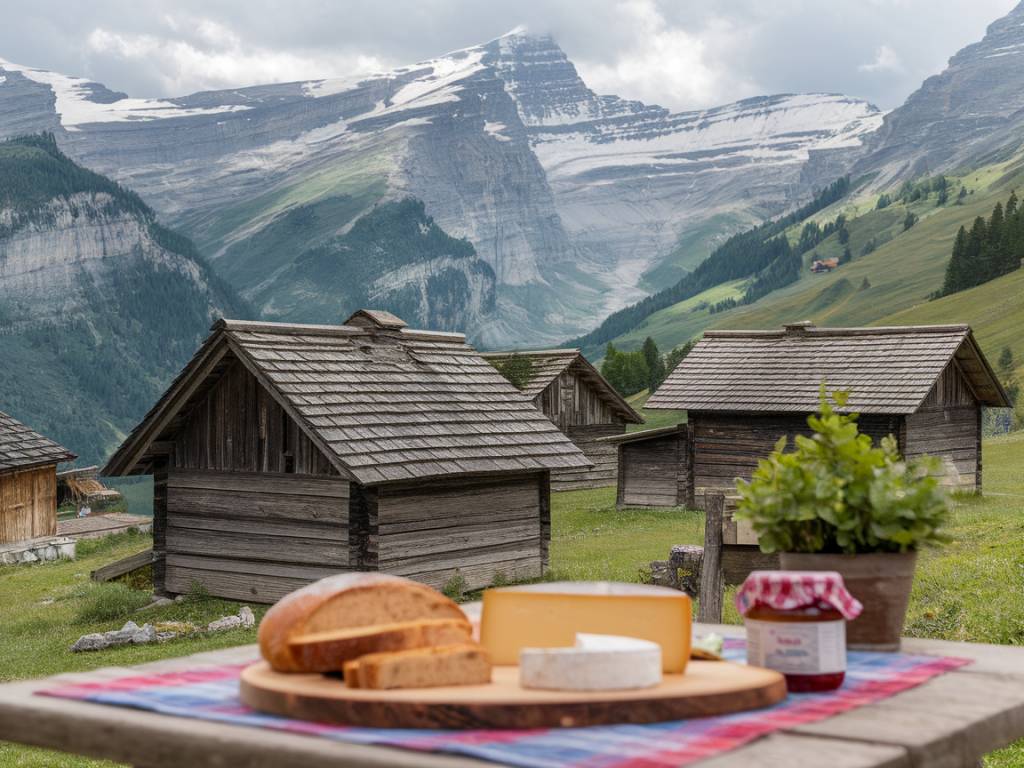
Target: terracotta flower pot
(881,581)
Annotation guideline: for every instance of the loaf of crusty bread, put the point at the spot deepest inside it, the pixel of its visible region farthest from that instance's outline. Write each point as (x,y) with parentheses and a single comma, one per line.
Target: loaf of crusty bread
(464,664)
(345,601)
(328,651)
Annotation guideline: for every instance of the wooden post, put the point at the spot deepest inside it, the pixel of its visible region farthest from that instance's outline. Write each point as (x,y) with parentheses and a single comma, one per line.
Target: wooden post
(620,476)
(545,520)
(160,471)
(711,587)
(688,468)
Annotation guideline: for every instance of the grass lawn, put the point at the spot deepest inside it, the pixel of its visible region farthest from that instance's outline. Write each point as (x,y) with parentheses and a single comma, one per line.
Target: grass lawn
(970,590)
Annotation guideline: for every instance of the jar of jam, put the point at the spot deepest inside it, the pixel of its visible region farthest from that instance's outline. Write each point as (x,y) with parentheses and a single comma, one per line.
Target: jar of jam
(796,625)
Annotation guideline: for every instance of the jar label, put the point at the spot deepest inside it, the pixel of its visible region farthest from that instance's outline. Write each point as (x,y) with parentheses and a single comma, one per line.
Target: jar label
(797,647)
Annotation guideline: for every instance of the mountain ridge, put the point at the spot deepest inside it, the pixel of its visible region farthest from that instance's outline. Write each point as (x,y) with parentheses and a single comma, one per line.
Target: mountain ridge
(570,197)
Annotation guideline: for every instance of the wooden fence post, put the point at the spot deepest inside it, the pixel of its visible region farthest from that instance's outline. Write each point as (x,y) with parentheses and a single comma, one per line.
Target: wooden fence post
(711,586)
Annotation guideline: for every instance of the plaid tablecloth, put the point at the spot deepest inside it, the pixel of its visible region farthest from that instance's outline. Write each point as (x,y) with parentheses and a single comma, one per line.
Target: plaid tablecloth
(212,694)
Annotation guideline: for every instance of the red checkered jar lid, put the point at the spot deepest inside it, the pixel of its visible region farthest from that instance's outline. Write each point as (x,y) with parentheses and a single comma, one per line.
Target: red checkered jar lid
(790,590)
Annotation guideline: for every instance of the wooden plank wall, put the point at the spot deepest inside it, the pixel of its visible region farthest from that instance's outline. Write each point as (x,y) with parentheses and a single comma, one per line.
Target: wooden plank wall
(728,445)
(571,401)
(254,536)
(478,526)
(238,426)
(603,455)
(28,504)
(947,426)
(653,472)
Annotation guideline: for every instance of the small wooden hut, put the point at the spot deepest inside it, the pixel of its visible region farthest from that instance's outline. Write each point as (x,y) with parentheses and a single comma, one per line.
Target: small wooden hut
(28,482)
(650,464)
(81,486)
(283,453)
(567,389)
(743,390)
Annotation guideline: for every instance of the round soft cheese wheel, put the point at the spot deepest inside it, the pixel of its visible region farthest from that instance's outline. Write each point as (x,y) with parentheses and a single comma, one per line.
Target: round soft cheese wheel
(347,600)
(594,663)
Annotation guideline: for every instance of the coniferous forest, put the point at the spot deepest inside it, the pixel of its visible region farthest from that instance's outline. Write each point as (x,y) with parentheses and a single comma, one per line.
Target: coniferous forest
(991,248)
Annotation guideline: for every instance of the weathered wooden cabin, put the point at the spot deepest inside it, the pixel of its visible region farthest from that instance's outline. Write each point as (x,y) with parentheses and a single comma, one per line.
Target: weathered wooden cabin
(742,390)
(28,482)
(285,453)
(567,389)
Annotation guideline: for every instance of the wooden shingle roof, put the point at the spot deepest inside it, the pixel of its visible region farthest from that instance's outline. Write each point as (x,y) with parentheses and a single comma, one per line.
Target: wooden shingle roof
(384,403)
(21,447)
(548,364)
(886,370)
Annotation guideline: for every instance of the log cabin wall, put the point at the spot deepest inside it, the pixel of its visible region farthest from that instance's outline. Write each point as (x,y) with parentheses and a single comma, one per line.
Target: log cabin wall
(28,504)
(577,408)
(252,509)
(653,472)
(728,445)
(600,453)
(482,527)
(948,426)
(254,536)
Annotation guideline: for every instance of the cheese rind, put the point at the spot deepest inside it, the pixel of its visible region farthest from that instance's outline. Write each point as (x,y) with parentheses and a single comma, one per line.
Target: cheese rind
(595,663)
(551,615)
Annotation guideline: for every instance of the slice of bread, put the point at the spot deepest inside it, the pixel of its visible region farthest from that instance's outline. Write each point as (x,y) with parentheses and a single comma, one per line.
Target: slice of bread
(328,651)
(463,664)
(346,601)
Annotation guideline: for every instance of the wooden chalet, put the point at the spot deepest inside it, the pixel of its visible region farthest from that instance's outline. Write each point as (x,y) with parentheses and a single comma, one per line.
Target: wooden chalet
(567,389)
(284,453)
(742,390)
(28,482)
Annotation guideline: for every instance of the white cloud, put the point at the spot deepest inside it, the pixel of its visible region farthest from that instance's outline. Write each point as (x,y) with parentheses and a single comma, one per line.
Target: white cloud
(212,56)
(667,64)
(886,60)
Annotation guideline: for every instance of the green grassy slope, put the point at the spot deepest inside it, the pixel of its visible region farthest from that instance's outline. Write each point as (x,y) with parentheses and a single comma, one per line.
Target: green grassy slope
(995,310)
(890,285)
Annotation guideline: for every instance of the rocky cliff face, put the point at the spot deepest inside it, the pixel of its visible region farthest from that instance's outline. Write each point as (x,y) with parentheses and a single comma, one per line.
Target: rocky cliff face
(969,114)
(99,304)
(63,262)
(569,197)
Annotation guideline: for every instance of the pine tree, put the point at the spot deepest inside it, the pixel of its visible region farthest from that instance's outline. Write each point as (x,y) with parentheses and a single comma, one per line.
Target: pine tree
(844,235)
(957,268)
(1005,362)
(846,256)
(909,221)
(655,364)
(973,254)
(991,258)
(961,195)
(883,201)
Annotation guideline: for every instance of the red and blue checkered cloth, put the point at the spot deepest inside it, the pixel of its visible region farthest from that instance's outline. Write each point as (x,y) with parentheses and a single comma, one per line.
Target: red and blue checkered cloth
(212,694)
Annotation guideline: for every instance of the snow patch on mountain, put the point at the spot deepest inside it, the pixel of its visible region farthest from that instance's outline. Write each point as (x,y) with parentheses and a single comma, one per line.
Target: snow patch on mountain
(76,105)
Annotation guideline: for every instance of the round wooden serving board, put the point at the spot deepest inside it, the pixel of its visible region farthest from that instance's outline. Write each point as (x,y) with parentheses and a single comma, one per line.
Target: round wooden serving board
(707,688)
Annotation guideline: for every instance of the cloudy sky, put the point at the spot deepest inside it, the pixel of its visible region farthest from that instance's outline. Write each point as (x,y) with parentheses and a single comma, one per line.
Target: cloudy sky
(681,53)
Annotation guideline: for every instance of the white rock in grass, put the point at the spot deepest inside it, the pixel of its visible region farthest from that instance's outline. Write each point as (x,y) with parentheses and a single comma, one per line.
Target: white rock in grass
(29,557)
(227,622)
(246,615)
(145,635)
(94,642)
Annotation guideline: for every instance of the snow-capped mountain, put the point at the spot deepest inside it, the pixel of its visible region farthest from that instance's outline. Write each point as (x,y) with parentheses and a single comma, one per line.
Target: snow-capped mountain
(963,117)
(571,198)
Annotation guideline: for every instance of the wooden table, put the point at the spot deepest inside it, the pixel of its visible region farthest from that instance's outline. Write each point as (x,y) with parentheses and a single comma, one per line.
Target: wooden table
(949,722)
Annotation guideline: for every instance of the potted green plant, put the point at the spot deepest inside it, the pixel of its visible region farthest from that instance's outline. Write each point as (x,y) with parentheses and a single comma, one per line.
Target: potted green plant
(836,502)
